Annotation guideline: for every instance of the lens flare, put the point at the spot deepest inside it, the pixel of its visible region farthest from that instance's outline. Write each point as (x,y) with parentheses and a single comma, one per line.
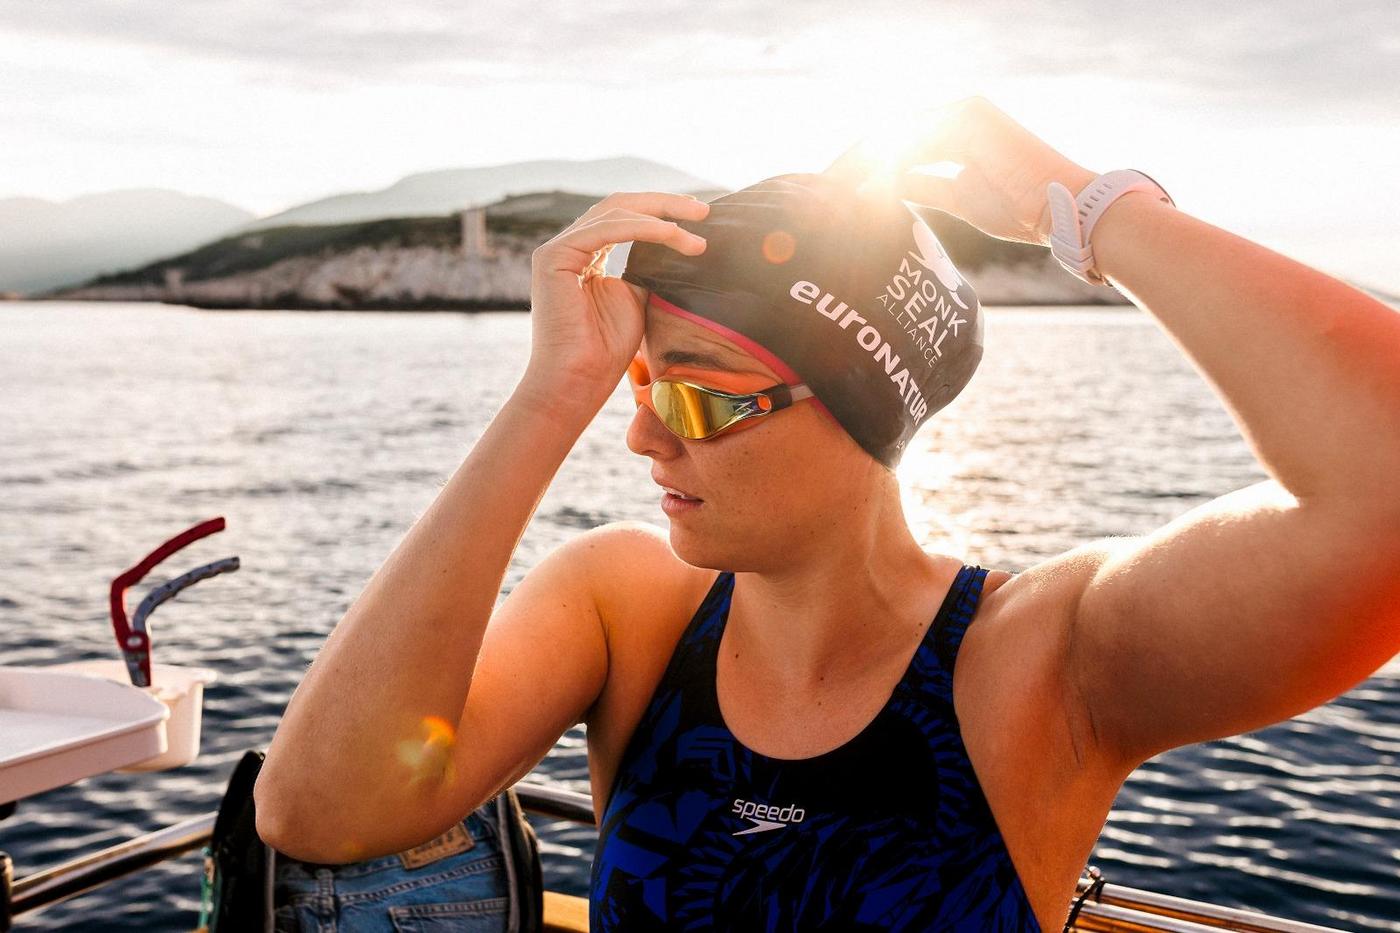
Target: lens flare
(778,247)
(884,154)
(429,757)
(883,151)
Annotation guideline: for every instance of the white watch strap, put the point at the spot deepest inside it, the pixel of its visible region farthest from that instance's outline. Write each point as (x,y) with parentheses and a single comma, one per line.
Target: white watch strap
(1072,219)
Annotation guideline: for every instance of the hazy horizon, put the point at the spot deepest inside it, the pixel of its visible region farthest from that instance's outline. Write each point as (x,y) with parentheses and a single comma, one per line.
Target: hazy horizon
(1276,121)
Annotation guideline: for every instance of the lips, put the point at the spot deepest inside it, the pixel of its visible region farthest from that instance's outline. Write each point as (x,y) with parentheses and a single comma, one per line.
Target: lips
(676,491)
(678,494)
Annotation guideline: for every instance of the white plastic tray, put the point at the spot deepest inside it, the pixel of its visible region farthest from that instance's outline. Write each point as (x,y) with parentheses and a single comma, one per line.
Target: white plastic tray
(58,727)
(179,688)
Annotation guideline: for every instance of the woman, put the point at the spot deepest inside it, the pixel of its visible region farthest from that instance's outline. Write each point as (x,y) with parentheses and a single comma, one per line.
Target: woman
(782,744)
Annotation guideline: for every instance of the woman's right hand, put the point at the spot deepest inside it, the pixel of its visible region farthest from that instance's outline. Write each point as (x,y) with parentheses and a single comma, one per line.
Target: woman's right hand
(586,326)
(1006,169)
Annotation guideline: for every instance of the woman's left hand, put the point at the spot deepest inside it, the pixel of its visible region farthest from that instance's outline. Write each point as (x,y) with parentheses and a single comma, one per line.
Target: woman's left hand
(1001,189)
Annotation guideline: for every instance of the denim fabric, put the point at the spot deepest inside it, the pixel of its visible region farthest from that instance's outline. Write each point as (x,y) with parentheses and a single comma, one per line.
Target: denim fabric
(466,891)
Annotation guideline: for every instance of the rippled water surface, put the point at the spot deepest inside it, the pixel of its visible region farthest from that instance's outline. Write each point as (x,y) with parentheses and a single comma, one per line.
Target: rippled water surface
(322,436)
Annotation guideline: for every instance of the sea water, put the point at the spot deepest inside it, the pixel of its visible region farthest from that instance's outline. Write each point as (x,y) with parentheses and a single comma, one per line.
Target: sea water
(321,437)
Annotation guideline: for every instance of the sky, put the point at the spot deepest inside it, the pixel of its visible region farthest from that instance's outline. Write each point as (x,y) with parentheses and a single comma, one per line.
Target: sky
(1276,119)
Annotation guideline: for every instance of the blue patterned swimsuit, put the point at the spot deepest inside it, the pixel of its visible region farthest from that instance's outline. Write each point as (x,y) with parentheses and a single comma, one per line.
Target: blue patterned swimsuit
(890,831)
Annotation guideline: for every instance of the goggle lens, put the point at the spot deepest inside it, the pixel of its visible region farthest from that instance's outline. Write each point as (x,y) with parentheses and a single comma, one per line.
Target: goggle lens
(695,411)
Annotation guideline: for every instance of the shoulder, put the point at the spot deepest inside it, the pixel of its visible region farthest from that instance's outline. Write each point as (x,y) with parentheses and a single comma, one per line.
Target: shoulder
(645,596)
(993,580)
(613,556)
(1025,635)
(619,555)
(637,581)
(1046,593)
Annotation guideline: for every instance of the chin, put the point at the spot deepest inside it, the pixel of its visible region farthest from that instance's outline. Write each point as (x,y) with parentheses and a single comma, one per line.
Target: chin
(696,549)
(727,549)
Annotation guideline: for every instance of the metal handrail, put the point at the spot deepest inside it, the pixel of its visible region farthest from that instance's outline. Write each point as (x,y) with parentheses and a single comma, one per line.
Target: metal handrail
(1199,914)
(76,876)
(1117,908)
(555,801)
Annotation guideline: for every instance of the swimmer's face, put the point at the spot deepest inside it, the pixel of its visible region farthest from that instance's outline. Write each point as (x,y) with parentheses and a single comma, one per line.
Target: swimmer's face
(768,488)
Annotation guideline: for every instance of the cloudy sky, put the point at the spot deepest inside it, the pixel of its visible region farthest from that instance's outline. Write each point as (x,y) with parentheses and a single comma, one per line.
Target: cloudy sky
(1278,120)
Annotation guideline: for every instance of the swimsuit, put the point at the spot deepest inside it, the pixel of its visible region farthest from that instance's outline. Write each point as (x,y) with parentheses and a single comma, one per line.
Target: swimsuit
(889,831)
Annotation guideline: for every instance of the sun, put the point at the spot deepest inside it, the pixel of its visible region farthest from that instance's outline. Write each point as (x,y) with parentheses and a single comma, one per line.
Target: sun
(883,88)
(878,159)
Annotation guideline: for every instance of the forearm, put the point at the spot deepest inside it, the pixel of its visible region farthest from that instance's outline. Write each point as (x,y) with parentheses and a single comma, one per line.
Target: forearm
(1308,366)
(406,648)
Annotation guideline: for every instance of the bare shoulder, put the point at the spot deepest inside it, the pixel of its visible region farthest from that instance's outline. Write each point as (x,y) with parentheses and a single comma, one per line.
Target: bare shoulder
(1025,727)
(1054,579)
(1027,629)
(632,573)
(645,596)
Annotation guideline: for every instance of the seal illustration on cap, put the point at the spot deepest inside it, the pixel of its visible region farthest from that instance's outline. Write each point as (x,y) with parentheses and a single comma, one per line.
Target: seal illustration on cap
(934,258)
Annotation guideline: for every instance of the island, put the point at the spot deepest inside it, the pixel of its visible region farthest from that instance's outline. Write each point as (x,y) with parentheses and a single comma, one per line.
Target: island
(478,258)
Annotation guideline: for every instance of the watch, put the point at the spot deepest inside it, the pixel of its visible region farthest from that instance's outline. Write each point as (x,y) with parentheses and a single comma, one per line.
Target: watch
(1072,218)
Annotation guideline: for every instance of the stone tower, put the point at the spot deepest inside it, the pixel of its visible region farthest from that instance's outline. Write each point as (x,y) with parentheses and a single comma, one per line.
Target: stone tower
(474,240)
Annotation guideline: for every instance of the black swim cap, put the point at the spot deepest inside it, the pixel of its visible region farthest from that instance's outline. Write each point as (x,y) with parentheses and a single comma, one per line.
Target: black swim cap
(853,295)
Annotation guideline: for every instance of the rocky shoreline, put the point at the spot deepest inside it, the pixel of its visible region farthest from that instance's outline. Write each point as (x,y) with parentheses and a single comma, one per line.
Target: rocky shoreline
(426,278)
(382,279)
(478,258)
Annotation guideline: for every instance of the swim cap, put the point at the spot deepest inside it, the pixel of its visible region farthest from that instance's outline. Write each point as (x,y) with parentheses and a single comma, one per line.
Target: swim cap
(851,294)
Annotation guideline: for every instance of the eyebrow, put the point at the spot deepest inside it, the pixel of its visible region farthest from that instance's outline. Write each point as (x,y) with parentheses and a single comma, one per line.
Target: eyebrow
(682,357)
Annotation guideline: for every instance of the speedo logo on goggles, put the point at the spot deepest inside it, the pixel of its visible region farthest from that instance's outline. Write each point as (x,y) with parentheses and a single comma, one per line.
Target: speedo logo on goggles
(698,403)
(870,340)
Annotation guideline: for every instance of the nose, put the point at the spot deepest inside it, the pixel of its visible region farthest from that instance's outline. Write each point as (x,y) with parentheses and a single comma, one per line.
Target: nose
(648,437)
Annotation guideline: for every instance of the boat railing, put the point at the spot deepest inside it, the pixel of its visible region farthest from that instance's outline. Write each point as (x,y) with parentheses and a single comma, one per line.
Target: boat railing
(1116,908)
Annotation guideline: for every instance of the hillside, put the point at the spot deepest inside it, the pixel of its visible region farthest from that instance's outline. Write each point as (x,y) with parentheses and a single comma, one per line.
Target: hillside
(427,194)
(47,244)
(427,263)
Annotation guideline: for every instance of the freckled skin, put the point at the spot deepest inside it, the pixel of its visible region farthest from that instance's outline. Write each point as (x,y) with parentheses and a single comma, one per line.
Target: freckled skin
(773,491)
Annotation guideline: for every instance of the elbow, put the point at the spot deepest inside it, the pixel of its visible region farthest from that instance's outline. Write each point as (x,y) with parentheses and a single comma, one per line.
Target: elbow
(278,824)
(270,815)
(296,818)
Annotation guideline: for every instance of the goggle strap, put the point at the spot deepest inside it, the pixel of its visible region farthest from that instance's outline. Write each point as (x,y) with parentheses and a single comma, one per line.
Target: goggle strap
(784,395)
(780,396)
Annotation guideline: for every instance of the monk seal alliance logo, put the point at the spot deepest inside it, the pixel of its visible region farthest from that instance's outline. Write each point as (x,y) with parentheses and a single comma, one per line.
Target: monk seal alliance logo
(765,816)
(925,312)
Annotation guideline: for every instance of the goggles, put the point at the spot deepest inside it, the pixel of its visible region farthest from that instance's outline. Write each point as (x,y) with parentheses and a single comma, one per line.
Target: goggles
(697,404)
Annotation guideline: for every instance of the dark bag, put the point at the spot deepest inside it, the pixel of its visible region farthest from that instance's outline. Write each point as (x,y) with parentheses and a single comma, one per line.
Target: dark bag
(238,865)
(240,870)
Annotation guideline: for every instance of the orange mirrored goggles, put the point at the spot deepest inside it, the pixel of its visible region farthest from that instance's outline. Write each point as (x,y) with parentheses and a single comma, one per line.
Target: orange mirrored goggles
(699,403)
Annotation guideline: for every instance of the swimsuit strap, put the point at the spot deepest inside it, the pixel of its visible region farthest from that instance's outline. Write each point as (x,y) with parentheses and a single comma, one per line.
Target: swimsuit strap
(708,621)
(956,614)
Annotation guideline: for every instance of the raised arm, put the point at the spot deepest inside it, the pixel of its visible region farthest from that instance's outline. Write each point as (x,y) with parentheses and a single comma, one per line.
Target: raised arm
(1269,600)
(415,711)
